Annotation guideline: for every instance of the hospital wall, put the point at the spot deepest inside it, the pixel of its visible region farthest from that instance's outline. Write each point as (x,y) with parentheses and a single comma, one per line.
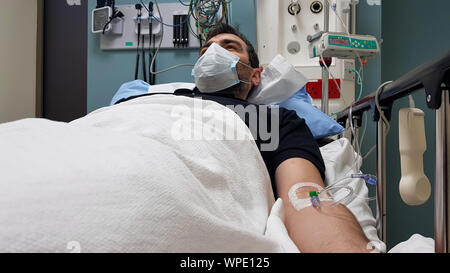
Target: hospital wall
(18,59)
(107,70)
(414,32)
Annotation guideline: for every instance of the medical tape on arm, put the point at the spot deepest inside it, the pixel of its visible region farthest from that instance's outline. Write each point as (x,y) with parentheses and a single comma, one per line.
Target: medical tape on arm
(300,204)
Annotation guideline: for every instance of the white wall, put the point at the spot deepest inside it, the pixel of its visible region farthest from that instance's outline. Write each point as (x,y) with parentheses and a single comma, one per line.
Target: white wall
(18,36)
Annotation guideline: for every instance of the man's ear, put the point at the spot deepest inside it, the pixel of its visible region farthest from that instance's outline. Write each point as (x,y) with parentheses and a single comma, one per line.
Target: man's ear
(256,76)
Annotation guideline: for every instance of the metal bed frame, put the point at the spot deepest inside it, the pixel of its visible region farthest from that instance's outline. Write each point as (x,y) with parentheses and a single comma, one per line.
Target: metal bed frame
(434,78)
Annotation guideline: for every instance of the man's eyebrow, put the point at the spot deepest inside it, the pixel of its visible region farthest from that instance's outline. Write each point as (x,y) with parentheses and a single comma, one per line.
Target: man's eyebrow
(230,41)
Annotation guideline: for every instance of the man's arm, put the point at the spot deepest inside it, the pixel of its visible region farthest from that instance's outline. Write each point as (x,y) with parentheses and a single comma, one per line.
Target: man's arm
(325,229)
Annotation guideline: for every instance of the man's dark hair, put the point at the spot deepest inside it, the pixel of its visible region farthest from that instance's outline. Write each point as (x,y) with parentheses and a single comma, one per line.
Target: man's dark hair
(224,28)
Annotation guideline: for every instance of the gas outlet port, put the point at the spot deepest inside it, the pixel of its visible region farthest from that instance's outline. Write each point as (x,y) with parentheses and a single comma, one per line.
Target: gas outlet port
(316,7)
(294,8)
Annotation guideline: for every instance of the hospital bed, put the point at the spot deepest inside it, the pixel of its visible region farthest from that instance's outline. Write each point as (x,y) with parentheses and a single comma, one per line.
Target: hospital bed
(434,79)
(122,180)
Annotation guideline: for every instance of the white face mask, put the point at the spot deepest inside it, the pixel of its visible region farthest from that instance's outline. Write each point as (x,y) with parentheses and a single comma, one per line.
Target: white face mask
(216,70)
(279,81)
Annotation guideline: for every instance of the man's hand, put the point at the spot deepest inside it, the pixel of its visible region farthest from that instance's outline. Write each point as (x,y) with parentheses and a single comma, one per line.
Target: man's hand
(324,229)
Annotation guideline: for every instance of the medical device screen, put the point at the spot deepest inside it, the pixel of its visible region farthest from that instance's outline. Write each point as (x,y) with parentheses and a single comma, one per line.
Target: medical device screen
(337,41)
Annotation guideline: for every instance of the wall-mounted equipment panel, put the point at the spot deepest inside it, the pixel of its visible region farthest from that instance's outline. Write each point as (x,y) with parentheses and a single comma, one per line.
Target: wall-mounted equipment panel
(171,26)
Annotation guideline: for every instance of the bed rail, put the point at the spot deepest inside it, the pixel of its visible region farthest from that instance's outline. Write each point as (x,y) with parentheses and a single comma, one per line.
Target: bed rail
(434,78)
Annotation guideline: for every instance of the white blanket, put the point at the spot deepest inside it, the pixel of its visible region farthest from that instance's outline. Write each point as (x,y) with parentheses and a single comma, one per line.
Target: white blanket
(117,181)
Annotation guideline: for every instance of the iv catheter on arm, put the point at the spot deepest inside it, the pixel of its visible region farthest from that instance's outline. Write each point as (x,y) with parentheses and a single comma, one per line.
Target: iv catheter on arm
(324,196)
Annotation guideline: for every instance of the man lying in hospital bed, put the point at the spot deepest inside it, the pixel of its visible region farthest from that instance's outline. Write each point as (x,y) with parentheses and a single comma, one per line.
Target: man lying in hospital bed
(294,158)
(150,175)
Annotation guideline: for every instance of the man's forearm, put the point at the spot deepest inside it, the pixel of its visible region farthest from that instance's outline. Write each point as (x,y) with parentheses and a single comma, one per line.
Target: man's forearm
(325,229)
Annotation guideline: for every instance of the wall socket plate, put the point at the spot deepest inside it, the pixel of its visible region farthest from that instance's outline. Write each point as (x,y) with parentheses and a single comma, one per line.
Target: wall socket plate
(349,65)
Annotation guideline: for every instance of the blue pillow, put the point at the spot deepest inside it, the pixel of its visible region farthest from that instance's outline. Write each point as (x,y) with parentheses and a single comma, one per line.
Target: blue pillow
(130,89)
(319,123)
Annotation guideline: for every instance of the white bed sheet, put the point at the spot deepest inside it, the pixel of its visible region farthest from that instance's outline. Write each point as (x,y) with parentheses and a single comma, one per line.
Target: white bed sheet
(340,158)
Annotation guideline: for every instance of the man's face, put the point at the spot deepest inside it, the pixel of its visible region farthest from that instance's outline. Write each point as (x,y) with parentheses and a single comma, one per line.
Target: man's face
(237,46)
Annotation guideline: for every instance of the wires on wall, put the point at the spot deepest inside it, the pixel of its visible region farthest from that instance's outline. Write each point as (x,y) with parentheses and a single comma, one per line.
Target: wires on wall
(206,14)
